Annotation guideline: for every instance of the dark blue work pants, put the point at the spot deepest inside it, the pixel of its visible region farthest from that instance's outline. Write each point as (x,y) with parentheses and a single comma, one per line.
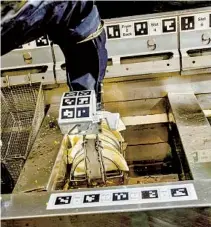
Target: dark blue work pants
(66,23)
(86,64)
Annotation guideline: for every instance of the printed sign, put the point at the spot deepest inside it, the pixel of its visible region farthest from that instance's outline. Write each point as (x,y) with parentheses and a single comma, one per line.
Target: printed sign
(92,198)
(127,30)
(76,106)
(82,112)
(62,200)
(159,26)
(68,113)
(155,27)
(72,101)
(149,194)
(83,101)
(73,93)
(120,196)
(42,41)
(113,31)
(195,22)
(169,25)
(202,21)
(84,93)
(178,192)
(141,195)
(141,28)
(187,23)
(69,101)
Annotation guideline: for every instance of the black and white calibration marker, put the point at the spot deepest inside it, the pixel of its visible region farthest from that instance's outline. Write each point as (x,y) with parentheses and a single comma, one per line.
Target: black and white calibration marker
(114,197)
(136,29)
(201,21)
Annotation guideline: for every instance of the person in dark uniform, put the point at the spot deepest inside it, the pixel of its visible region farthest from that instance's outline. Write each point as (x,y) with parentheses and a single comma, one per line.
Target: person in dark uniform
(75,26)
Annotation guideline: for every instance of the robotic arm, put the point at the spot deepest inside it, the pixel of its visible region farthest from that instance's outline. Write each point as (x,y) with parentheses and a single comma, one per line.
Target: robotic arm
(74,25)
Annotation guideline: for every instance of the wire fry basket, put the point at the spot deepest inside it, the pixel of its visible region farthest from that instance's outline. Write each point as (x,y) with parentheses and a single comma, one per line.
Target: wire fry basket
(22,112)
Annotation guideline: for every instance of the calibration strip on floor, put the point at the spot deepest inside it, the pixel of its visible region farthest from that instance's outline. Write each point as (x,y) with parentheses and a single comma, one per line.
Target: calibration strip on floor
(157,194)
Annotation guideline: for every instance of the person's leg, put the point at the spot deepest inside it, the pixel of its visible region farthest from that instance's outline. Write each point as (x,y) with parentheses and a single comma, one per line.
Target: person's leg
(86,64)
(102,57)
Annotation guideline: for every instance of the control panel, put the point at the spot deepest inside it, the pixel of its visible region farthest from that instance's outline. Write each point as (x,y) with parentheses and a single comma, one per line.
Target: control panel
(139,45)
(144,43)
(195,40)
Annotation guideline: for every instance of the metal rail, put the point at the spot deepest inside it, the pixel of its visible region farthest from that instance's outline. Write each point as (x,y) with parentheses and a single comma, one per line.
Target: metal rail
(34,205)
(195,133)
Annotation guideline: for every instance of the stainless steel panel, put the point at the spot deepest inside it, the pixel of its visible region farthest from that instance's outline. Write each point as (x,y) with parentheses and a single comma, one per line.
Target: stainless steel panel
(193,39)
(40,56)
(148,68)
(160,218)
(195,34)
(33,205)
(37,170)
(155,88)
(138,46)
(45,78)
(195,133)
